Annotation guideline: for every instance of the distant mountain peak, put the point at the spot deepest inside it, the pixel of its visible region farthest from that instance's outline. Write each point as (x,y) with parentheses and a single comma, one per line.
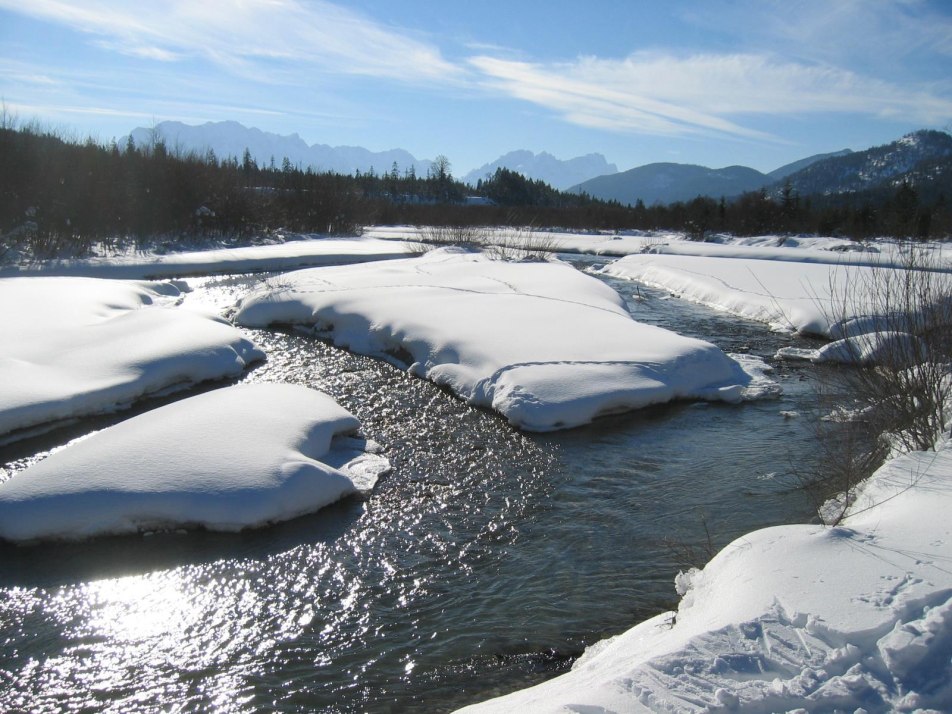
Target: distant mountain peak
(230,138)
(558,173)
(919,157)
(666,182)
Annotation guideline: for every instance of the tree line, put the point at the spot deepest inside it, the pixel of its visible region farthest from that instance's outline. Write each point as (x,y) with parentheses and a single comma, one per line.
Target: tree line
(61,197)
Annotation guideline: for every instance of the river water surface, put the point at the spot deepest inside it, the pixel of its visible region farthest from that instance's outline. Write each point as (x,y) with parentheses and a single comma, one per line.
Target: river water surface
(486,561)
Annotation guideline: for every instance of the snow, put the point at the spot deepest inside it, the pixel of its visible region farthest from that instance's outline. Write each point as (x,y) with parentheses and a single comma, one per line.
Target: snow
(541,343)
(799,249)
(390,242)
(866,310)
(794,618)
(79,346)
(295,252)
(809,298)
(233,458)
(861,349)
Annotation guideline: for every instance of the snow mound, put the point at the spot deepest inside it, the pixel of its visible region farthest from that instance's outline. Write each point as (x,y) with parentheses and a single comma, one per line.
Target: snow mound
(888,347)
(233,458)
(541,343)
(80,346)
(794,618)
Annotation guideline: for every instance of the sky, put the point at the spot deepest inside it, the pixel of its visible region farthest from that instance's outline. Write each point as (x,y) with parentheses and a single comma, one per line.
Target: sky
(717,83)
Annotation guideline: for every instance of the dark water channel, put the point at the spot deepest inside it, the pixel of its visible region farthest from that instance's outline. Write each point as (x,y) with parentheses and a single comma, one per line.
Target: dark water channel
(486,561)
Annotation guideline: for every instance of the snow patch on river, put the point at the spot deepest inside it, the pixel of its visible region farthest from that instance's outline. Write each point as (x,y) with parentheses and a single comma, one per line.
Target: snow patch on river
(237,457)
(80,346)
(541,343)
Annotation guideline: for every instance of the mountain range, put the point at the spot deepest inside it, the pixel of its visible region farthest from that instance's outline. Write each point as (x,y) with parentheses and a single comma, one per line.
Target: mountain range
(230,139)
(667,182)
(923,158)
(558,173)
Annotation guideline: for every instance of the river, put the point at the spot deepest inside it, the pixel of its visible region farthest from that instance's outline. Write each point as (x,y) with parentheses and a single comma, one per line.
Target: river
(486,561)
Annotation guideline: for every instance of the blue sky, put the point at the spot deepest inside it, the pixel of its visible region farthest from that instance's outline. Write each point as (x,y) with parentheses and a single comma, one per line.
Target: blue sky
(750,82)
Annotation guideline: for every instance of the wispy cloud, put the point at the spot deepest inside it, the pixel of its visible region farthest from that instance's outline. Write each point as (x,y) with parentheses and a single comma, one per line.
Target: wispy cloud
(34,110)
(140,50)
(251,37)
(663,94)
(593,92)
(847,31)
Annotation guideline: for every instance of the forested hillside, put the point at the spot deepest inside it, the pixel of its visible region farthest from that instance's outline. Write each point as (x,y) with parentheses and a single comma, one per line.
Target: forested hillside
(59,197)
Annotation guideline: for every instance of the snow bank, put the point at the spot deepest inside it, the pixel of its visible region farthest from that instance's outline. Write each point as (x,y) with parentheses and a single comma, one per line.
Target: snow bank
(233,458)
(886,347)
(802,618)
(809,298)
(541,343)
(800,249)
(279,256)
(79,346)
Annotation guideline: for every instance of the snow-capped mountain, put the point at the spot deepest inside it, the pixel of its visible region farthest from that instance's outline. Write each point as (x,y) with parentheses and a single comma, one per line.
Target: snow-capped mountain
(230,139)
(923,158)
(558,173)
(881,166)
(793,167)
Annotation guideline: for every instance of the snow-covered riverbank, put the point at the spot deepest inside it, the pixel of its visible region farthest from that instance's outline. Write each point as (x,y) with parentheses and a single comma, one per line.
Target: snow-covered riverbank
(856,617)
(788,618)
(295,252)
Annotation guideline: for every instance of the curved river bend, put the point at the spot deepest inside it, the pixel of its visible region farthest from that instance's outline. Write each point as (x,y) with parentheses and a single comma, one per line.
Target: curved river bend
(486,561)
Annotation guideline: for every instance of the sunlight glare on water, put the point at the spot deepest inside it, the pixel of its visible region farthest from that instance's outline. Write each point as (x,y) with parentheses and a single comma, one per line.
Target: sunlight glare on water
(487,560)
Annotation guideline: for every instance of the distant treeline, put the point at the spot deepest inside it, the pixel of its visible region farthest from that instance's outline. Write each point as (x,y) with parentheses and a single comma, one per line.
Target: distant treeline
(60,197)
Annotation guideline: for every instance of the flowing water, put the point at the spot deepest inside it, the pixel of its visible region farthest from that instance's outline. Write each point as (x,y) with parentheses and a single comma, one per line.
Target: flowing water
(486,561)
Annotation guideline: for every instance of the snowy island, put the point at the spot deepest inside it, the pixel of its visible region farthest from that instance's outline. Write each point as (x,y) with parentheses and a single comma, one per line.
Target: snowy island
(77,346)
(539,342)
(233,458)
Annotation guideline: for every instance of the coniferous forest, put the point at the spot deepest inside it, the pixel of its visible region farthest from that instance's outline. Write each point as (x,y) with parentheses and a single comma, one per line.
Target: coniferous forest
(60,197)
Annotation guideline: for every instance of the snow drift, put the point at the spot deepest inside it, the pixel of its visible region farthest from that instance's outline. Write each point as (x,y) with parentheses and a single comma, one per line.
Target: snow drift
(541,343)
(80,346)
(233,458)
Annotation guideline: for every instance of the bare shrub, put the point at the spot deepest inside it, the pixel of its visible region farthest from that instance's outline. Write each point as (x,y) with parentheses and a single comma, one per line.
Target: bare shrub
(895,395)
(848,449)
(470,237)
(521,244)
(902,384)
(693,553)
(510,244)
(419,248)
